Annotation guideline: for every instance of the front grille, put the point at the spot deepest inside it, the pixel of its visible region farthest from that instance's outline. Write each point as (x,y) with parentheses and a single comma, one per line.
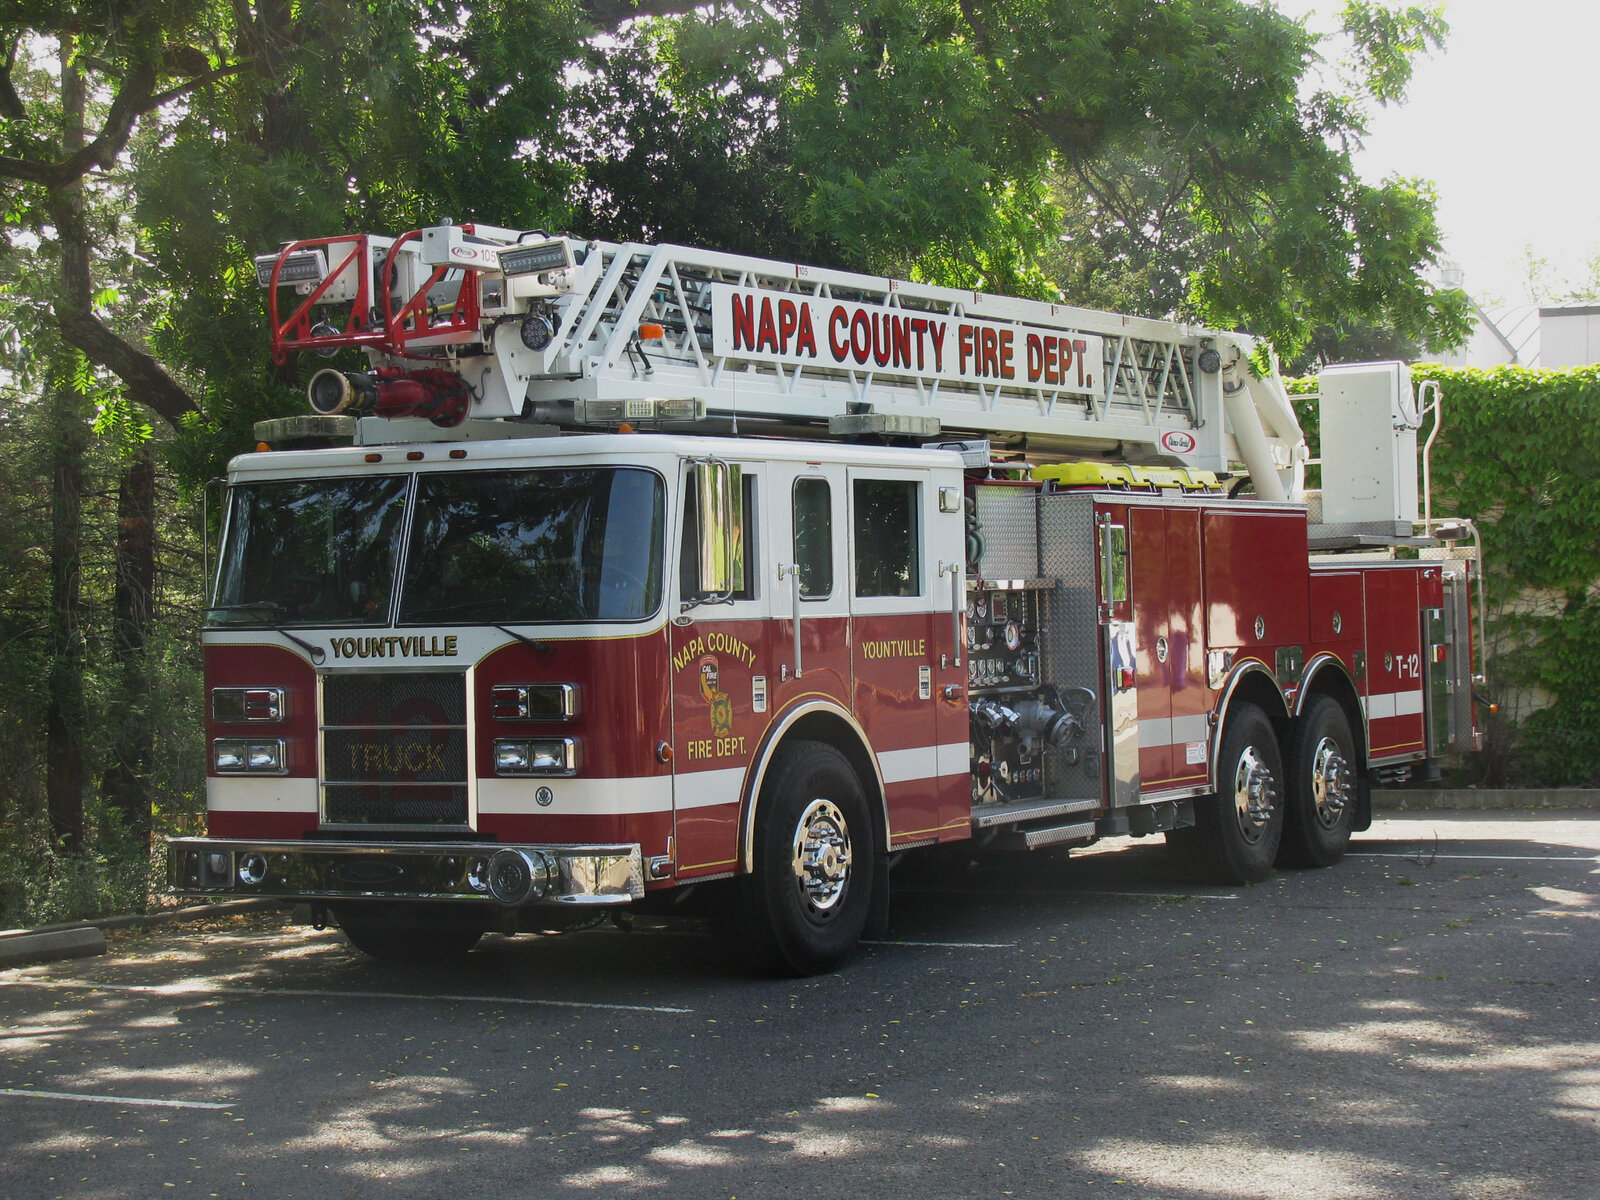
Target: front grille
(394,749)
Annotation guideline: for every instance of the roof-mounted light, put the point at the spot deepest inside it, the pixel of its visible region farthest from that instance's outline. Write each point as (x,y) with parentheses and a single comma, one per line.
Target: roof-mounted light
(535,258)
(303,268)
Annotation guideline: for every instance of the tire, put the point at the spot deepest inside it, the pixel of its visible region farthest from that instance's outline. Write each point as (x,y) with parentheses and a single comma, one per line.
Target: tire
(1321,776)
(410,932)
(1239,828)
(802,910)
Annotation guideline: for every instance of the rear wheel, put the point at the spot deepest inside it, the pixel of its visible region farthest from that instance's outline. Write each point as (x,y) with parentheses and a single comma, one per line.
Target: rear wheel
(1238,829)
(803,908)
(410,932)
(1320,765)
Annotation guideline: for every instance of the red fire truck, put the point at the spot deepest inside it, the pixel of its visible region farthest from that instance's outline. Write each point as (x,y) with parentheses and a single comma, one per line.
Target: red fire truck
(629,573)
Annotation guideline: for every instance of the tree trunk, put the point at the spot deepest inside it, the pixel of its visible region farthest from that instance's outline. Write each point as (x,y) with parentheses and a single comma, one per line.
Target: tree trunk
(127,780)
(64,716)
(65,711)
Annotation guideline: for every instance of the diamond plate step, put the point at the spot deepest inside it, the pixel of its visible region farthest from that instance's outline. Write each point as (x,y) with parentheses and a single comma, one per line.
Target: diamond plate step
(988,816)
(1049,835)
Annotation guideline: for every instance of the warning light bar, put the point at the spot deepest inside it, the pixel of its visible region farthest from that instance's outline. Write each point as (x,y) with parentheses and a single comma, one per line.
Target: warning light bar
(611,412)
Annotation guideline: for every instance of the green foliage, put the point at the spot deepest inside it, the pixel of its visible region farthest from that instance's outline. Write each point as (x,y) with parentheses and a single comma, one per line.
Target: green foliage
(1519,451)
(1176,157)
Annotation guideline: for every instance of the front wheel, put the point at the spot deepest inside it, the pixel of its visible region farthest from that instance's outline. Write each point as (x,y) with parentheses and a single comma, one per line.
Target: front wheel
(1238,829)
(1322,779)
(803,908)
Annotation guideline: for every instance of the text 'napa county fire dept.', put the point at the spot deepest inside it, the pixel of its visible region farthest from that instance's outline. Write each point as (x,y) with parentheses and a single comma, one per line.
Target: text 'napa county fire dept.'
(701,652)
(801,329)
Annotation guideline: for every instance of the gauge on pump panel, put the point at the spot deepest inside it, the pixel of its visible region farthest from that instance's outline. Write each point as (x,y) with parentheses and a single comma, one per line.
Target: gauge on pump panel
(1013,636)
(980,607)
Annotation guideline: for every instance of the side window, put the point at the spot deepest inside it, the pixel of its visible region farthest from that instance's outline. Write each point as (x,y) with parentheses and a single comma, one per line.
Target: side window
(888,537)
(689,550)
(813,537)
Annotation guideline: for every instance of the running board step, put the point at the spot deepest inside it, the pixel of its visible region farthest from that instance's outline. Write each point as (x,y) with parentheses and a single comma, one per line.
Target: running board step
(1049,835)
(987,816)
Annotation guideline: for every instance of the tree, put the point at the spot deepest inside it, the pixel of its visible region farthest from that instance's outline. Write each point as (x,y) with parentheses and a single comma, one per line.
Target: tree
(1182,142)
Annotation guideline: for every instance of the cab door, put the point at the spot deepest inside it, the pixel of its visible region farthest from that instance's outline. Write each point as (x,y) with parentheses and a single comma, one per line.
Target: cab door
(722,661)
(807,570)
(904,599)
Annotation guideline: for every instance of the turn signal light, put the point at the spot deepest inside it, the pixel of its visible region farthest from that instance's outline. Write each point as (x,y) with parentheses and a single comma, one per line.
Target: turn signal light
(248,704)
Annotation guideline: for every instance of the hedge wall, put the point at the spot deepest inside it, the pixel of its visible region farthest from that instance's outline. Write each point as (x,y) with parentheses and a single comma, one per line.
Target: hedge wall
(1519,451)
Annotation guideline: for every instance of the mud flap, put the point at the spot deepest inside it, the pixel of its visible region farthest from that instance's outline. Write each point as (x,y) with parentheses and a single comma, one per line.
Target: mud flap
(878,911)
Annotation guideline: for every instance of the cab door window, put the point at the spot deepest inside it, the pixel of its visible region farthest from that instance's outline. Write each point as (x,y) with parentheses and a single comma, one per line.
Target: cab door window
(813,537)
(888,537)
(745,556)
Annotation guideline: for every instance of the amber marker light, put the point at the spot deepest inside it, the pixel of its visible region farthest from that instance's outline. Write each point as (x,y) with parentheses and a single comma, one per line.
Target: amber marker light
(652,333)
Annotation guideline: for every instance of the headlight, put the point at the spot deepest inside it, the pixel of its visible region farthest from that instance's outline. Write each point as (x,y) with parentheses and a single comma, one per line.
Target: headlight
(242,756)
(536,756)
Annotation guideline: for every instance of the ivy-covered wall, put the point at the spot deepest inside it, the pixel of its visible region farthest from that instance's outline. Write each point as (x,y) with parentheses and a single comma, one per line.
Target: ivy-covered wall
(1519,452)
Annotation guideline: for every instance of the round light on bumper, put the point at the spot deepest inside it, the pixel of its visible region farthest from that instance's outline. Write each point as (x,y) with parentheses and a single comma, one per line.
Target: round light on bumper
(252,868)
(517,876)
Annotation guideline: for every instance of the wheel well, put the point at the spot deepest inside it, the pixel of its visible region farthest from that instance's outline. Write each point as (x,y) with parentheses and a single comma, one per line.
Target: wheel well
(1260,689)
(1252,685)
(830,728)
(1332,681)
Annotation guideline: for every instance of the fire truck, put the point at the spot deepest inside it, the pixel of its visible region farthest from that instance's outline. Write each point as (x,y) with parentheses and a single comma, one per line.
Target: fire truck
(635,575)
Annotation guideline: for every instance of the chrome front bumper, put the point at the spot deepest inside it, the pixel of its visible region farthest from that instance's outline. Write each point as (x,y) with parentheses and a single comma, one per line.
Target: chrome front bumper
(512,876)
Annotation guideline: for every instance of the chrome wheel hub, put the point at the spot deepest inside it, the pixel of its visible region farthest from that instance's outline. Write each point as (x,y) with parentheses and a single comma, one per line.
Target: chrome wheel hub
(1255,795)
(1331,781)
(822,854)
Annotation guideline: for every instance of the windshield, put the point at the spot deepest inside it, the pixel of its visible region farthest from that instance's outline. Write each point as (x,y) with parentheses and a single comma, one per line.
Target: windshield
(310,552)
(535,546)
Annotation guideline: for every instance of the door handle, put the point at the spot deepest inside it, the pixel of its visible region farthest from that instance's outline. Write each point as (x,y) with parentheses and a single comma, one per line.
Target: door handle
(793,571)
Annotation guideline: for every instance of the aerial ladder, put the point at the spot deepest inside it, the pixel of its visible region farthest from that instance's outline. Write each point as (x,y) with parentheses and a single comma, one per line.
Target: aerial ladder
(470,323)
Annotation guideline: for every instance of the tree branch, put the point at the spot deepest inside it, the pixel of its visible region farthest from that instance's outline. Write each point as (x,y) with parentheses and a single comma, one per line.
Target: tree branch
(145,377)
(608,14)
(11,107)
(133,99)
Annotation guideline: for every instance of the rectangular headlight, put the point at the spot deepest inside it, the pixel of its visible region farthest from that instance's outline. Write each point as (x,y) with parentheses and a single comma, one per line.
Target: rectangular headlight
(535,702)
(536,756)
(249,756)
(247,704)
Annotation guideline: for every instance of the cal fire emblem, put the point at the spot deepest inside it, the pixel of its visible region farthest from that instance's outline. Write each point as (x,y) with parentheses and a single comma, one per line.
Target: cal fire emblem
(720,708)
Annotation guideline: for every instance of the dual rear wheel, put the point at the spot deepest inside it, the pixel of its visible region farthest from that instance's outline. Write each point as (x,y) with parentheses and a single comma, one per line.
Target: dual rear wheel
(1292,804)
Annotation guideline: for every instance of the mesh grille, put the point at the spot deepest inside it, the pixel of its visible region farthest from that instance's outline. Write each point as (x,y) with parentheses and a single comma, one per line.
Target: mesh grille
(394,749)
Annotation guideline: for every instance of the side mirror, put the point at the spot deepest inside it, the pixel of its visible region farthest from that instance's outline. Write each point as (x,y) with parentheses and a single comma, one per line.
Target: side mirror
(717,488)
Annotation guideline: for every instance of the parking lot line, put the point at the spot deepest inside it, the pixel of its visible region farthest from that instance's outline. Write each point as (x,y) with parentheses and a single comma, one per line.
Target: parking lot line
(1164,895)
(1427,853)
(941,945)
(135,1101)
(200,989)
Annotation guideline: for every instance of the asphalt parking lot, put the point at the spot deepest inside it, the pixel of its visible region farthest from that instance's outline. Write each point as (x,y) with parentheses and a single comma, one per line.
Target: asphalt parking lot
(1422,1020)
